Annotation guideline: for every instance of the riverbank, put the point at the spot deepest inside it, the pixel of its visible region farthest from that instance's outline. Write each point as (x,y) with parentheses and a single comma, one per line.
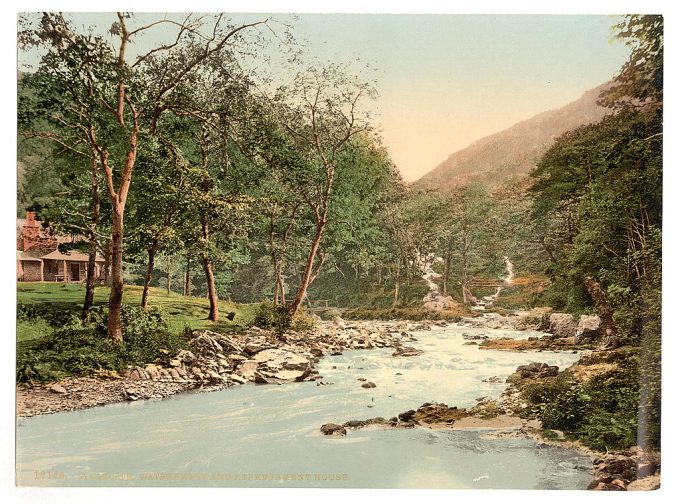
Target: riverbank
(216,361)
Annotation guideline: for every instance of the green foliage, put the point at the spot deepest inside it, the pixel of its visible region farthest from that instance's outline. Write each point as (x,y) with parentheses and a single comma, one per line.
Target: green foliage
(277,317)
(56,314)
(271,316)
(641,77)
(603,412)
(83,349)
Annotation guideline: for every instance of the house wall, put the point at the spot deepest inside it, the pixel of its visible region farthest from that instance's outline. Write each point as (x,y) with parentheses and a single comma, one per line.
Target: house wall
(31,271)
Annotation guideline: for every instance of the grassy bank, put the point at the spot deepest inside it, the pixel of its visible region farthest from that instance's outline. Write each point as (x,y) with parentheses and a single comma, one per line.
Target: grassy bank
(53,343)
(44,307)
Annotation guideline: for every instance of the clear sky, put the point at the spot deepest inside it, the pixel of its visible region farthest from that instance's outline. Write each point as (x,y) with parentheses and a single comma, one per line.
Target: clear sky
(448,80)
(445,81)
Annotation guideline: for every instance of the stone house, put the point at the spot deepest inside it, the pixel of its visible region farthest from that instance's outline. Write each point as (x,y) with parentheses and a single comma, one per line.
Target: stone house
(39,258)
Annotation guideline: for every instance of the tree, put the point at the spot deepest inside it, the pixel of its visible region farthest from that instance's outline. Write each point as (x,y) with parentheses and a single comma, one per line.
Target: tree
(324,115)
(108,84)
(47,114)
(640,81)
(158,205)
(468,232)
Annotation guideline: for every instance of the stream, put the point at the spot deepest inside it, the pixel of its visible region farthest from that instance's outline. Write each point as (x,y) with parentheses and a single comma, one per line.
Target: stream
(268,435)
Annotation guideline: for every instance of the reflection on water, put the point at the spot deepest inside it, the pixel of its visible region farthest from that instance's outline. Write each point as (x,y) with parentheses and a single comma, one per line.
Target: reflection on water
(268,435)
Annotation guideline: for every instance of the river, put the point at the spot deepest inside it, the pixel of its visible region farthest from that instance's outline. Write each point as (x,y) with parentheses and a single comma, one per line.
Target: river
(260,435)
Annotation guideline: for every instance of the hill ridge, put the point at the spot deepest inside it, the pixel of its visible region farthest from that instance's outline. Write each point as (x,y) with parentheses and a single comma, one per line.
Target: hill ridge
(514,151)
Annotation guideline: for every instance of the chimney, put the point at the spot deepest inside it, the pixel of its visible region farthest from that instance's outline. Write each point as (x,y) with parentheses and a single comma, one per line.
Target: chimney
(30,234)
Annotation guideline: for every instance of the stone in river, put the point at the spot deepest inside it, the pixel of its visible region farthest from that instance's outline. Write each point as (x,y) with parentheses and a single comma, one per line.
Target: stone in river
(404,351)
(331,429)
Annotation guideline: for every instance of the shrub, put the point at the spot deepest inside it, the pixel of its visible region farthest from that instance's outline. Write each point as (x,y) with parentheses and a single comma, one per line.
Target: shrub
(269,315)
(303,321)
(276,317)
(83,348)
(55,314)
(602,412)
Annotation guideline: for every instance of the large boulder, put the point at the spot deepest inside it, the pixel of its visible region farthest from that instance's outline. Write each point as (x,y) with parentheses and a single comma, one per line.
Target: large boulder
(588,328)
(208,343)
(562,325)
(645,484)
(435,413)
(281,365)
(533,371)
(405,351)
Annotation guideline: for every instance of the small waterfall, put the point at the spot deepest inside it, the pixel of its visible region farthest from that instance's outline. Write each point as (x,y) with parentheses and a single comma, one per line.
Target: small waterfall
(487,301)
(510,270)
(434,300)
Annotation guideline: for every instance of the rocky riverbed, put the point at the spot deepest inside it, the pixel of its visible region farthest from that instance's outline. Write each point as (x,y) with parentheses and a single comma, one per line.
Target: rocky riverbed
(215,361)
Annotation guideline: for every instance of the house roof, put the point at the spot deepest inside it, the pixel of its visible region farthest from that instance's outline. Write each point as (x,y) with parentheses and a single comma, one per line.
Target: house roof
(28,256)
(70,256)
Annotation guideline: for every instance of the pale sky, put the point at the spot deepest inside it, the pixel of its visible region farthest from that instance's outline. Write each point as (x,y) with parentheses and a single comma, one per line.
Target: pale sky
(445,81)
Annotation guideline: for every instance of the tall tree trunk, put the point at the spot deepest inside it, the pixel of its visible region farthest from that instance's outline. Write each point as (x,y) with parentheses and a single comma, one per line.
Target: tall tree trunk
(149,274)
(94,222)
(604,311)
(397,282)
(168,277)
(187,279)
(214,314)
(309,265)
(447,267)
(114,324)
(279,294)
(107,262)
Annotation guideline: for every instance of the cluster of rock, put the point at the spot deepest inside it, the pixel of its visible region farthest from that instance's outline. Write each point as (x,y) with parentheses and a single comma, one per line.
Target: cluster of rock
(216,359)
(512,401)
(630,470)
(260,356)
(429,414)
(559,325)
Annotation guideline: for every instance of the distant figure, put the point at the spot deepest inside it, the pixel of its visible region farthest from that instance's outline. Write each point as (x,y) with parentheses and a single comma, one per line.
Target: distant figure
(231,315)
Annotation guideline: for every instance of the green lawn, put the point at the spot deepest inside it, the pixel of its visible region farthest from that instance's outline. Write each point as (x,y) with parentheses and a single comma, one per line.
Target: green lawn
(181,311)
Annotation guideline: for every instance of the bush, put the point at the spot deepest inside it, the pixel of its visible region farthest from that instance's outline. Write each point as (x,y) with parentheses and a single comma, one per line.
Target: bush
(602,412)
(83,348)
(55,314)
(303,321)
(271,316)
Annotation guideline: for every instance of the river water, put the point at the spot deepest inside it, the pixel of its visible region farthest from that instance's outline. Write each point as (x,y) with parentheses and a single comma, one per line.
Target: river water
(268,435)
